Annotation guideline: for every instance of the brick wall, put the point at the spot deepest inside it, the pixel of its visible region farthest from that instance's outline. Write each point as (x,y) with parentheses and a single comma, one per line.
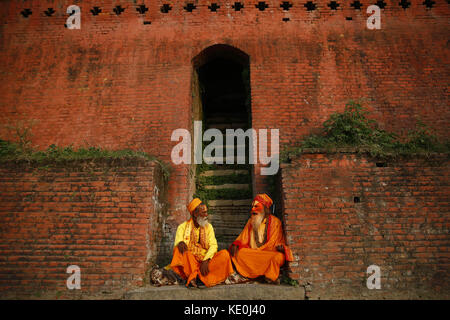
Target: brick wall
(104,216)
(400,224)
(120,83)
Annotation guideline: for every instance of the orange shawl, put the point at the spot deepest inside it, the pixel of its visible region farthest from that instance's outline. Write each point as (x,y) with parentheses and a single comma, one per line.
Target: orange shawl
(275,237)
(199,248)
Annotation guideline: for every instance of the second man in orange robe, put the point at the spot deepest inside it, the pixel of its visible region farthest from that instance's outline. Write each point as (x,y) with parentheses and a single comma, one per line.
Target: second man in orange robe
(260,249)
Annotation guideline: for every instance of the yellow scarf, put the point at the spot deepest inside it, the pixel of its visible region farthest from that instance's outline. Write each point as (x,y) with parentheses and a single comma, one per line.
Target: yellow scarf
(197,247)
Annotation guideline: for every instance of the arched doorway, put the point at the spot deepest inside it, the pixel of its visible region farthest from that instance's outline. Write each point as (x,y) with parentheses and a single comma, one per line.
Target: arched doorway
(222,100)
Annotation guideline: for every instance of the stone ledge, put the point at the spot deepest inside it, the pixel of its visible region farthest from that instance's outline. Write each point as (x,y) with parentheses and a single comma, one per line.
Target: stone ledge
(217,203)
(225,172)
(219,292)
(364,152)
(235,186)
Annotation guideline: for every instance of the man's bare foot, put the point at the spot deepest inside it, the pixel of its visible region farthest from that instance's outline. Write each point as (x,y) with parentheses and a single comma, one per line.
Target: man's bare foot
(235,278)
(193,283)
(277,281)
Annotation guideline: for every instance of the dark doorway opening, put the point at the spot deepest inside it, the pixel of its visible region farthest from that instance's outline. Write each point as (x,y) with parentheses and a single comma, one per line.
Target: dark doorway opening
(224,100)
(224,92)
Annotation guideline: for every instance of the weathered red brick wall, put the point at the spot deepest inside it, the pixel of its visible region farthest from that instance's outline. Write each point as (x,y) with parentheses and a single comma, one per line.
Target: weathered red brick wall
(401,223)
(103,216)
(118,82)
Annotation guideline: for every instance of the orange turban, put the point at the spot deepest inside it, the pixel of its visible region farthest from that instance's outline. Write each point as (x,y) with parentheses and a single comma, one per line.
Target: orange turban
(193,204)
(264,199)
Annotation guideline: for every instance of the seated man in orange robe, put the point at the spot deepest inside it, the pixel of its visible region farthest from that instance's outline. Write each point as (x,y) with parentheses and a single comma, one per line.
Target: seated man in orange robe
(195,250)
(260,249)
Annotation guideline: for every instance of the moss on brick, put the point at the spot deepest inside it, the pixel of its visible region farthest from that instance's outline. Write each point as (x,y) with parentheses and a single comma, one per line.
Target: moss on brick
(352,131)
(206,167)
(229,179)
(54,155)
(222,194)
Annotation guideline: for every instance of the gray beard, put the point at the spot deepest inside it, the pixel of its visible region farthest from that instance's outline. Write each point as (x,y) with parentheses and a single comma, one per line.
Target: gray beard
(256,220)
(202,222)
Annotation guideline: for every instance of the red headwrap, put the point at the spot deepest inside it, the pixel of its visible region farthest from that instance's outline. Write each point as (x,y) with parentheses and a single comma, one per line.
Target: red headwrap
(264,199)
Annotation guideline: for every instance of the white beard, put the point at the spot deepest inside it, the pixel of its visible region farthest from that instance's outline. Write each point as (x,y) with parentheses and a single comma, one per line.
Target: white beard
(256,220)
(202,221)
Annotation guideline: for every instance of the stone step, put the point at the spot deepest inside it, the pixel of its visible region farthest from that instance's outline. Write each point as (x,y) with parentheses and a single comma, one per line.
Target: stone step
(234,146)
(228,227)
(225,220)
(224,166)
(216,222)
(231,223)
(225,203)
(231,136)
(226,239)
(230,213)
(227,160)
(226,231)
(245,291)
(228,234)
(233,153)
(237,208)
(219,172)
(234,186)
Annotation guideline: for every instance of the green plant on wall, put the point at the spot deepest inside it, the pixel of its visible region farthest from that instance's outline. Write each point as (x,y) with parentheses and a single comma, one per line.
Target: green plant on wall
(352,128)
(21,133)
(228,179)
(21,149)
(223,194)
(55,154)
(288,281)
(202,182)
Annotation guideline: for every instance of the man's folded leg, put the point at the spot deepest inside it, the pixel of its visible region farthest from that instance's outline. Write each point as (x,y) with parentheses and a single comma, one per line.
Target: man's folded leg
(220,268)
(252,263)
(185,265)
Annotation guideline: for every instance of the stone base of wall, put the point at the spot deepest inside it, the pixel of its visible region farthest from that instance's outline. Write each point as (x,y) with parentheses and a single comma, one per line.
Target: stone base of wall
(342,292)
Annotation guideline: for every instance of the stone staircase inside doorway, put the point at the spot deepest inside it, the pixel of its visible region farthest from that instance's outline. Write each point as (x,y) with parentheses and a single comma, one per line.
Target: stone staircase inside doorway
(227,187)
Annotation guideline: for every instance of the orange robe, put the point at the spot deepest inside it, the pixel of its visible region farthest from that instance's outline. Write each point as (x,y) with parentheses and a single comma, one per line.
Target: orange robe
(187,266)
(251,261)
(202,245)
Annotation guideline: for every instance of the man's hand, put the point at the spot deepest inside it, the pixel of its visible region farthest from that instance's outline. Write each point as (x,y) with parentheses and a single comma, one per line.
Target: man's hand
(204,268)
(182,247)
(280,248)
(234,250)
